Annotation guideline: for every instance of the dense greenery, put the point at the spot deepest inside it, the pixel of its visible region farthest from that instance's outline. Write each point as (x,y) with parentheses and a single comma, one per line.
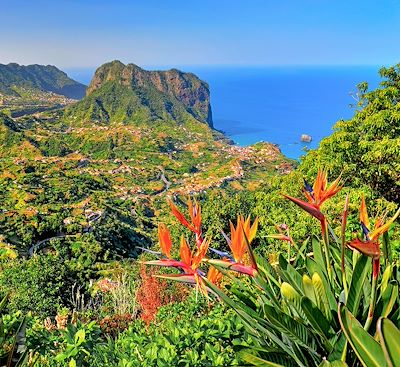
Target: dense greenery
(366,148)
(184,334)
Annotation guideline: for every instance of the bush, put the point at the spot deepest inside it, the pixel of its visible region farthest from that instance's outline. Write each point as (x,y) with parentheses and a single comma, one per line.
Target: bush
(188,334)
(183,334)
(40,285)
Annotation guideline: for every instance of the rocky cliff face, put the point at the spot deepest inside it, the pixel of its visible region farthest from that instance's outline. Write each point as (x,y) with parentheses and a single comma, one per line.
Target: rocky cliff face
(161,94)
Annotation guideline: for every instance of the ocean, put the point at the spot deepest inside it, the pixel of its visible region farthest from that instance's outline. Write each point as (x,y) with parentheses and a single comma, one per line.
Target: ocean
(277,104)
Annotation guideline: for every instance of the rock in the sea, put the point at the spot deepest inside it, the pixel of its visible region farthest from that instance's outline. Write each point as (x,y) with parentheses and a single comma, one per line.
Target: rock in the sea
(306,138)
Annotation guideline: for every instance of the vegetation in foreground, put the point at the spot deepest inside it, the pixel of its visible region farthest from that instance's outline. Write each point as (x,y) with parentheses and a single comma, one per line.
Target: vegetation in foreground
(334,305)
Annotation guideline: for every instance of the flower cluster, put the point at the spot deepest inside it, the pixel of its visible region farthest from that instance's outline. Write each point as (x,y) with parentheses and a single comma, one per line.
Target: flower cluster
(191,260)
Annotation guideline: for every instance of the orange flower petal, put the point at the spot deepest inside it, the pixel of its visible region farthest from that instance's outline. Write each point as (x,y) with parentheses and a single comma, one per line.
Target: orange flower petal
(164,238)
(364,213)
(200,254)
(185,253)
(181,218)
(214,275)
(368,248)
(311,209)
(383,228)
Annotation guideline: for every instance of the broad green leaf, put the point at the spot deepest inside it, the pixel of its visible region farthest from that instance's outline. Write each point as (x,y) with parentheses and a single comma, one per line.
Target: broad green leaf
(292,328)
(367,349)
(254,323)
(339,343)
(389,298)
(290,274)
(386,247)
(317,320)
(338,364)
(309,288)
(312,268)
(293,298)
(389,336)
(256,361)
(360,273)
(318,255)
(80,337)
(387,274)
(326,363)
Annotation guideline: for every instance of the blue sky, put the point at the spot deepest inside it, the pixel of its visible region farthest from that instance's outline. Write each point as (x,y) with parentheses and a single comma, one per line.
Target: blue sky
(87,33)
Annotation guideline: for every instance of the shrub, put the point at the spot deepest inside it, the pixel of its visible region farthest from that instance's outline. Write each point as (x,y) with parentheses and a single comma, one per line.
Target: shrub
(183,334)
(152,294)
(46,279)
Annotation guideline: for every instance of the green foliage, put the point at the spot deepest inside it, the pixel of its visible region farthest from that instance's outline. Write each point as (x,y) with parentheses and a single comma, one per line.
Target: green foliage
(40,77)
(40,284)
(71,346)
(367,349)
(366,148)
(389,336)
(77,343)
(184,334)
(13,352)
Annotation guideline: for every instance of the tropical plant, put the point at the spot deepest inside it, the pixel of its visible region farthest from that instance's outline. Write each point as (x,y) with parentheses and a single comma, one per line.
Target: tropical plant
(70,346)
(299,311)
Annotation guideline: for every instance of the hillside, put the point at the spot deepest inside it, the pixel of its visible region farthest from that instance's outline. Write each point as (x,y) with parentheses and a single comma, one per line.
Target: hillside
(45,78)
(32,89)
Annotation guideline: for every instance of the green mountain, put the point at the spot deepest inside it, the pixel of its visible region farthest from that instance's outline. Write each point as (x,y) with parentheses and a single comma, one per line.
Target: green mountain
(127,93)
(44,78)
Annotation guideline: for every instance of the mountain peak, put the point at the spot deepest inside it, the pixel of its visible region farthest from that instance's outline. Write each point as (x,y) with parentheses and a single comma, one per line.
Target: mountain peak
(123,90)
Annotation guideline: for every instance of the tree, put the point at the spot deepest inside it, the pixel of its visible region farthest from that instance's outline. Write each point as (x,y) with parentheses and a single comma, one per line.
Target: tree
(366,148)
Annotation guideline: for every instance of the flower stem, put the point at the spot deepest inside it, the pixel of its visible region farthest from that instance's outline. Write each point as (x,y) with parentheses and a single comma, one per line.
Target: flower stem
(344,223)
(374,286)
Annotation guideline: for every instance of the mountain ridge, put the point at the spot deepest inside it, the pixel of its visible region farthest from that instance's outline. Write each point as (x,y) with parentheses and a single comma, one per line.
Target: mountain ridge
(47,78)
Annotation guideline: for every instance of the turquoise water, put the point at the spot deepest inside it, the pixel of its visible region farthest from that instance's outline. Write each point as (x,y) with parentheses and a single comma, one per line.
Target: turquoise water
(278,104)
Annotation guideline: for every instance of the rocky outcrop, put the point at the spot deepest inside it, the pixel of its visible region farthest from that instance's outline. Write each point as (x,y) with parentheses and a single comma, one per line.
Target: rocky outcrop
(170,93)
(306,138)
